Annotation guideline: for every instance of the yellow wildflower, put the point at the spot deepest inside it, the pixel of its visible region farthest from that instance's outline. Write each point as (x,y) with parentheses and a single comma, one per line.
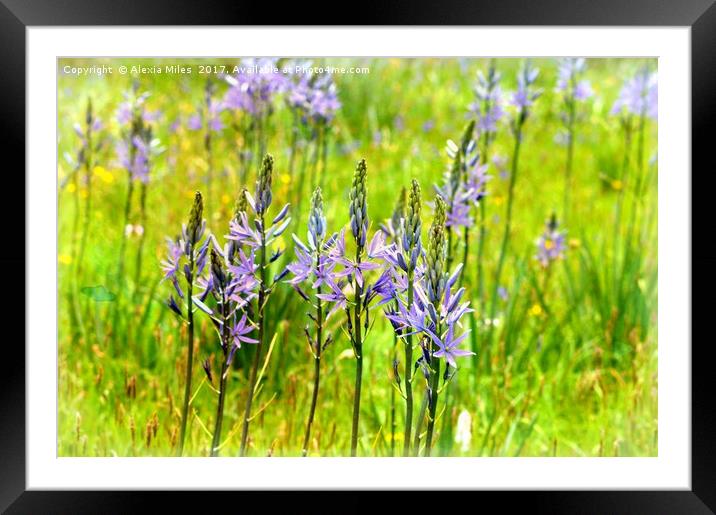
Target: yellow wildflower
(103,174)
(536,310)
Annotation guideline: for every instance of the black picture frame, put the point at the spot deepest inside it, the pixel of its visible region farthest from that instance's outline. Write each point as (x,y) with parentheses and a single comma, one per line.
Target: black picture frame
(700,15)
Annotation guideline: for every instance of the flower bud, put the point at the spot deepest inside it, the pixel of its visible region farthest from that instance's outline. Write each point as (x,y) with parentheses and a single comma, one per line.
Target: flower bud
(436,255)
(358,208)
(195,226)
(263,185)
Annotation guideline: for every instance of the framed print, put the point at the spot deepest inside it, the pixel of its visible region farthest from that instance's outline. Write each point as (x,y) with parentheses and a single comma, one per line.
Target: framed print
(257,260)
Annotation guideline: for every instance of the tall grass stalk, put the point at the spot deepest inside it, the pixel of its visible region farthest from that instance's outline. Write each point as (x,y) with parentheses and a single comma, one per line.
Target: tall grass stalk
(505,241)
(88,165)
(142,238)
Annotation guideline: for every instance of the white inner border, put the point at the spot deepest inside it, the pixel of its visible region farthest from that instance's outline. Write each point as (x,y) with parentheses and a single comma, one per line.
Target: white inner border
(671,469)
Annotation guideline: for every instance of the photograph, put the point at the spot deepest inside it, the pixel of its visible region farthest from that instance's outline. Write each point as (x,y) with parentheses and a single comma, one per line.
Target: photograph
(271,256)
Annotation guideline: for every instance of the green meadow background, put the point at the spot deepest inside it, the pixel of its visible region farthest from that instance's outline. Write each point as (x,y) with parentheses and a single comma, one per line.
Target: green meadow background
(571,370)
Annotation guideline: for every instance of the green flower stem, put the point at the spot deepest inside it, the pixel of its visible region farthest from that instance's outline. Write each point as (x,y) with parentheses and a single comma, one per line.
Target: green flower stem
(140,248)
(433,403)
(358,347)
(316,370)
(571,118)
(216,441)
(419,427)
(408,375)
(394,356)
(259,346)
(189,357)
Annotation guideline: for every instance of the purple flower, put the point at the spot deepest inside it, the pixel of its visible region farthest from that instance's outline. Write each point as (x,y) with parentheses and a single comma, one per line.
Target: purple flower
(551,245)
(377,248)
(182,251)
(134,107)
(412,320)
(254,87)
(241,232)
(502,292)
(313,262)
(303,267)
(568,82)
(583,90)
(170,266)
(242,288)
(231,287)
(175,125)
(139,168)
(464,183)
(314,97)
(338,250)
(194,122)
(487,108)
(384,288)
(335,297)
(212,113)
(639,95)
(135,147)
(355,269)
(240,330)
(525,94)
(436,318)
(124,113)
(448,347)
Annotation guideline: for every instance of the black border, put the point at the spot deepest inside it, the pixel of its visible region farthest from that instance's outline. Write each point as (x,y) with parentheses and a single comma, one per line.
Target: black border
(16,15)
